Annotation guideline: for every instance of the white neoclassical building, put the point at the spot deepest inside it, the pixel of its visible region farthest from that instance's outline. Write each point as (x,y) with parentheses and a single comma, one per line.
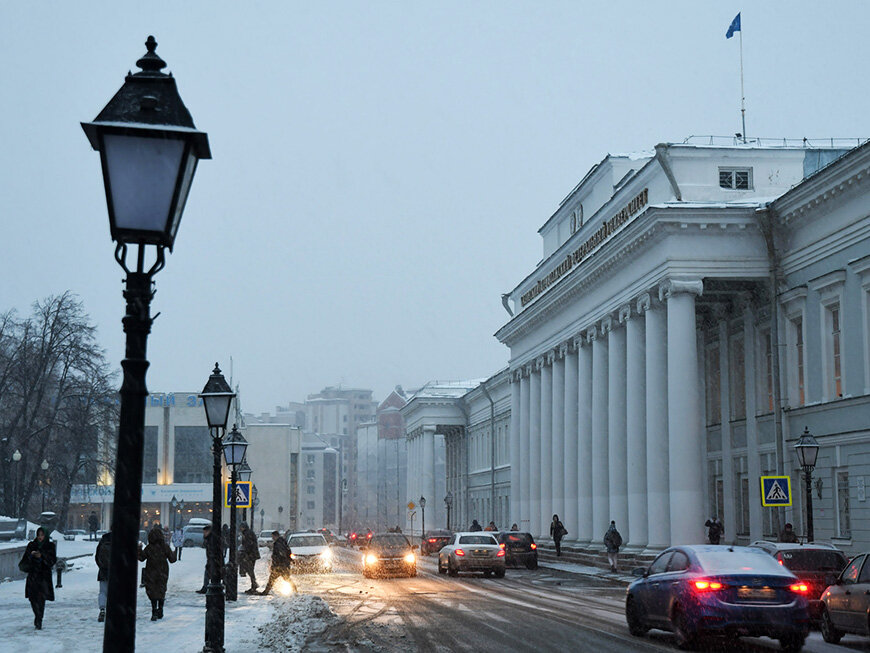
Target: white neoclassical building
(683,326)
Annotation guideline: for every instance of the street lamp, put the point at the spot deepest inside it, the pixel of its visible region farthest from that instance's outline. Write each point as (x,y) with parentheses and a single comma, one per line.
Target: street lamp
(448,501)
(149,148)
(44,467)
(255,501)
(807,450)
(234,453)
(423,518)
(174,503)
(216,399)
(181,513)
(16,458)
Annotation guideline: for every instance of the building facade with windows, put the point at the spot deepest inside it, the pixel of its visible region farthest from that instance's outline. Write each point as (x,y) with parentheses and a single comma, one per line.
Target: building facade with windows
(696,307)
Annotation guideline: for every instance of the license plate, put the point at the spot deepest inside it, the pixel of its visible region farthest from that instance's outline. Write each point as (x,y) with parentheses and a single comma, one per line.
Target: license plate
(481,553)
(756,593)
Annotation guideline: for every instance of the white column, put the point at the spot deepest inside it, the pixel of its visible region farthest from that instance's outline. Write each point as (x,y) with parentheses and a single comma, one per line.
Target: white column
(514,515)
(428,477)
(558,449)
(657,455)
(600,469)
(570,468)
(616,439)
(546,512)
(753,462)
(535,449)
(525,489)
(685,453)
(729,516)
(635,422)
(584,440)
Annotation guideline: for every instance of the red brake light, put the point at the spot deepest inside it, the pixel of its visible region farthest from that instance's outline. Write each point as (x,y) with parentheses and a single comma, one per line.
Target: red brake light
(369,536)
(534,546)
(460,552)
(353,536)
(501,546)
(500,553)
(704,585)
(431,540)
(800,588)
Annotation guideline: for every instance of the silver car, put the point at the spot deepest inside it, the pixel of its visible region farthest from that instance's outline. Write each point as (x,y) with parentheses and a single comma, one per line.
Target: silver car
(476,551)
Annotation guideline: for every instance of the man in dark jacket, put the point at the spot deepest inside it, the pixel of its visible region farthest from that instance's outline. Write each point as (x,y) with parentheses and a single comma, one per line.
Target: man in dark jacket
(248,557)
(612,541)
(225,540)
(788,534)
(93,525)
(475,526)
(102,556)
(280,561)
(38,561)
(715,529)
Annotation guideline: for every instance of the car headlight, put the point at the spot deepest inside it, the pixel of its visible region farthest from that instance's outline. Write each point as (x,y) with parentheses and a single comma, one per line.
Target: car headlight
(410,559)
(293,556)
(326,554)
(371,559)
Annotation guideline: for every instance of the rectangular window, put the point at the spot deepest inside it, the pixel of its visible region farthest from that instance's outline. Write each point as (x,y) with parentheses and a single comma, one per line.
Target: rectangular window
(310,489)
(767,353)
(738,379)
(844,517)
(714,396)
(309,459)
(735,178)
(311,473)
(799,357)
(743,527)
(835,350)
(192,454)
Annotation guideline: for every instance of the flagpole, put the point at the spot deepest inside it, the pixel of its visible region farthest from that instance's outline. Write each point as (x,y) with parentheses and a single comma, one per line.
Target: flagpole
(742,94)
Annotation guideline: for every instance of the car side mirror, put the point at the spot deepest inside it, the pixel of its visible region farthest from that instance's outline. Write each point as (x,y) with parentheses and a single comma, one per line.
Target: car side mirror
(640,572)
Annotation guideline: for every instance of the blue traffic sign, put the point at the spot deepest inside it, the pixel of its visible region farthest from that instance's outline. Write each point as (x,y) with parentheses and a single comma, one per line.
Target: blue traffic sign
(775,491)
(243,494)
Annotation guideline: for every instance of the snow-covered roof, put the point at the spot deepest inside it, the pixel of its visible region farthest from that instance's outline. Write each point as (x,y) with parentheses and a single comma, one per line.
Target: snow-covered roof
(447,388)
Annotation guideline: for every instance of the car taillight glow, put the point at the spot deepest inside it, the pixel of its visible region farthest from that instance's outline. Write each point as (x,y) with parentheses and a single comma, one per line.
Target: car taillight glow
(704,585)
(501,546)
(431,540)
(353,536)
(800,588)
(369,536)
(534,546)
(500,553)
(460,552)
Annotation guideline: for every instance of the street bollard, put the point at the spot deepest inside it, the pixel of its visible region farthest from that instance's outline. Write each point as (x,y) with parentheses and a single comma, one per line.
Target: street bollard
(59,567)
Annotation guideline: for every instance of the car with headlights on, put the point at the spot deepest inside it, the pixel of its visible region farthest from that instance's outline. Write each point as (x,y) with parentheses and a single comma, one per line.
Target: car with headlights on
(473,551)
(846,603)
(703,591)
(309,552)
(389,554)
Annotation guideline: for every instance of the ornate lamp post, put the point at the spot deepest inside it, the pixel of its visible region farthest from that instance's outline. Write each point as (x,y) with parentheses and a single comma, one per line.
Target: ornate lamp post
(181,513)
(44,467)
(16,458)
(448,501)
(807,450)
(216,399)
(423,518)
(174,504)
(235,446)
(149,148)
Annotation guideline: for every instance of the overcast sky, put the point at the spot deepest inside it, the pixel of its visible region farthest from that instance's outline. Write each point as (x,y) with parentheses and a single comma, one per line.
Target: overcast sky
(380,169)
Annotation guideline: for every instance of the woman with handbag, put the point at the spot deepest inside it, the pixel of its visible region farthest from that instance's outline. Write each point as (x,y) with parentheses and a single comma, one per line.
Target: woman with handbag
(38,562)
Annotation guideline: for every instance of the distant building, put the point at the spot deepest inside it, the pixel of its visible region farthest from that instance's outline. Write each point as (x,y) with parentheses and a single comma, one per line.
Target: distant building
(392,461)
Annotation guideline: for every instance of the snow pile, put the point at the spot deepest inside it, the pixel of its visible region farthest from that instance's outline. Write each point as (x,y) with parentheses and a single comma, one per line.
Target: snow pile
(295,621)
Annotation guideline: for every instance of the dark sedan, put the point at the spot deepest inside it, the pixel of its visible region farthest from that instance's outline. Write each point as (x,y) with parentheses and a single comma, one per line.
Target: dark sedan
(520,549)
(847,602)
(725,591)
(434,540)
(389,554)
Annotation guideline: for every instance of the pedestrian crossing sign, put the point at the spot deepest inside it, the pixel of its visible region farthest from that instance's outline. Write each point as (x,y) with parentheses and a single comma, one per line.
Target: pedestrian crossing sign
(243,494)
(775,491)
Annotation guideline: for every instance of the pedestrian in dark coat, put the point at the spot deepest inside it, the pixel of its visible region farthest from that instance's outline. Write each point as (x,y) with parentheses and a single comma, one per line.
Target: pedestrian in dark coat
(93,525)
(38,561)
(788,534)
(715,530)
(102,556)
(280,561)
(225,540)
(475,526)
(557,532)
(248,556)
(612,540)
(157,556)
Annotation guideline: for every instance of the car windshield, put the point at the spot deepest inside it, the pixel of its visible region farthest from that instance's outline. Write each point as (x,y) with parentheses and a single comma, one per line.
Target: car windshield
(477,539)
(265,534)
(307,540)
(516,538)
(812,560)
(739,561)
(394,540)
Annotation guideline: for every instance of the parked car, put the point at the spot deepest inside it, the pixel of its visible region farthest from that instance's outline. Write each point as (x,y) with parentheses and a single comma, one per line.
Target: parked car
(817,564)
(310,552)
(434,540)
(73,533)
(191,535)
(846,603)
(328,534)
(727,591)
(265,539)
(476,551)
(389,553)
(520,549)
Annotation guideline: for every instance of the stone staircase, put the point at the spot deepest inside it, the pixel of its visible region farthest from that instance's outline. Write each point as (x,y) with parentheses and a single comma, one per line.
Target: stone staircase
(593,555)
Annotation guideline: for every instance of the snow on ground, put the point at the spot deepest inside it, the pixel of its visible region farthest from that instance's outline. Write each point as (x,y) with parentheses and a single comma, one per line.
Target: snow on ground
(253,623)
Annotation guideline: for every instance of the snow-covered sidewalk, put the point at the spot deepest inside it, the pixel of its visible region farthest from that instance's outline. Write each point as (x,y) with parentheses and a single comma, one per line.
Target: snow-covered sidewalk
(253,623)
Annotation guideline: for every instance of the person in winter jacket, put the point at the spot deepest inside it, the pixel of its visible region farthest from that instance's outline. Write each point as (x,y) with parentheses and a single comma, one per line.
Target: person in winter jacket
(788,535)
(280,561)
(715,530)
(475,526)
(157,556)
(612,540)
(102,556)
(225,540)
(491,527)
(557,532)
(248,556)
(38,561)
(178,541)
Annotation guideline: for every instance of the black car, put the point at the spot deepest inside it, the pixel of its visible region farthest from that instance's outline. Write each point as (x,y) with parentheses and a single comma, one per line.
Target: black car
(389,554)
(433,541)
(520,549)
(818,565)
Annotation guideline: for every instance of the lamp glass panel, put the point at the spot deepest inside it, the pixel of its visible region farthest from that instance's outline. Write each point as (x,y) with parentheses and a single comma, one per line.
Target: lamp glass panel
(184,189)
(217,409)
(234,452)
(142,177)
(244,475)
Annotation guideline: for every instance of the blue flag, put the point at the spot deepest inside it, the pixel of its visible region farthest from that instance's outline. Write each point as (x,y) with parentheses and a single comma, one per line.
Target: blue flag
(734,27)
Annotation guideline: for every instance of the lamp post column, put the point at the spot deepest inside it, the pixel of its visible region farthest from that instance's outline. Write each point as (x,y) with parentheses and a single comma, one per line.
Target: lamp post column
(808,478)
(214,596)
(232,578)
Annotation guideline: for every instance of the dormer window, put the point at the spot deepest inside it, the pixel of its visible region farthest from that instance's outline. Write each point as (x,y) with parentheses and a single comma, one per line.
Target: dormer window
(735,178)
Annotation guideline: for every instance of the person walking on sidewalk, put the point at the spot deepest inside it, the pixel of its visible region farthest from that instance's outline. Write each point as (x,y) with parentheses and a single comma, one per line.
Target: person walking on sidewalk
(715,530)
(38,561)
(612,540)
(475,526)
(102,556)
(157,556)
(178,542)
(280,561)
(557,532)
(248,557)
